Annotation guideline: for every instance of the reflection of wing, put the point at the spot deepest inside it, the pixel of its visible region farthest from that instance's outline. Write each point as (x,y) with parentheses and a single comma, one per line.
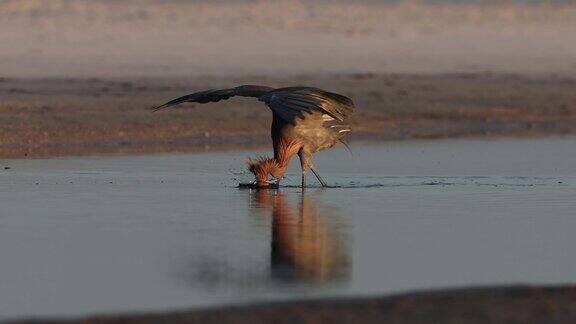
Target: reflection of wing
(289,103)
(304,247)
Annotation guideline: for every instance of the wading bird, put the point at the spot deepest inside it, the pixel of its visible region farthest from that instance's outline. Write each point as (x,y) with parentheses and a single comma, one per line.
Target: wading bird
(305,120)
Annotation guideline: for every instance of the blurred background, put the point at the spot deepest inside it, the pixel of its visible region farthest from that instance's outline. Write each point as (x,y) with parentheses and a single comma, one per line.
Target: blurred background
(178,37)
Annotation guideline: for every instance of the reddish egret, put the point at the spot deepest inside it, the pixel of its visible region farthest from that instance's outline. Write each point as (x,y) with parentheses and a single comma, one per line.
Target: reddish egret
(305,120)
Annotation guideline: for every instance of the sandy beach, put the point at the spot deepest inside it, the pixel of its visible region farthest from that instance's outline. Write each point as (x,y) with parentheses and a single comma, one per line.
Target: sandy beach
(44,117)
(78,77)
(531,305)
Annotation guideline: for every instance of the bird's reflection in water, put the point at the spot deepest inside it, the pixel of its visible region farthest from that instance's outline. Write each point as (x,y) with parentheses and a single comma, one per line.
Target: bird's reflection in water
(306,246)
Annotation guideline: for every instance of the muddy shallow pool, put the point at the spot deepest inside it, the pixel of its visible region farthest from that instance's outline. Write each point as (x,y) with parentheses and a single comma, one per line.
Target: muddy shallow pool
(138,233)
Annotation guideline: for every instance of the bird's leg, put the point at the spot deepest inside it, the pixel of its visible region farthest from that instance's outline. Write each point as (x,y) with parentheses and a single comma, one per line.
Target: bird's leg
(322,182)
(303,168)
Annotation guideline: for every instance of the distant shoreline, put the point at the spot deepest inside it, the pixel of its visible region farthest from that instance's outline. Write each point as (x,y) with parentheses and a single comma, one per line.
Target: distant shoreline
(509,304)
(139,38)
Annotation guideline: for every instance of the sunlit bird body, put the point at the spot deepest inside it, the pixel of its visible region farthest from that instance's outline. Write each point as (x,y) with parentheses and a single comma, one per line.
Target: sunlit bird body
(305,120)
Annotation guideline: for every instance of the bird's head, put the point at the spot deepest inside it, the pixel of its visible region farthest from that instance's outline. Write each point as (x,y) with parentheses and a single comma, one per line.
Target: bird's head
(263,167)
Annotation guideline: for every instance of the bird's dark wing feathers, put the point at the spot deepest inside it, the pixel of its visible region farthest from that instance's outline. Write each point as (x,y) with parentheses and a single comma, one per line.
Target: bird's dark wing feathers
(217,95)
(287,103)
(291,102)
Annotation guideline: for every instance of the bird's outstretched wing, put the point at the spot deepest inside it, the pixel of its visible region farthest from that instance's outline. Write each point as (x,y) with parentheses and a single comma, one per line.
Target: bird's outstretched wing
(217,95)
(289,103)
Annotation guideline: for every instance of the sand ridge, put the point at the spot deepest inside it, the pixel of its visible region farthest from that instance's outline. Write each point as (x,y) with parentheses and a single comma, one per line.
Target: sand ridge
(43,117)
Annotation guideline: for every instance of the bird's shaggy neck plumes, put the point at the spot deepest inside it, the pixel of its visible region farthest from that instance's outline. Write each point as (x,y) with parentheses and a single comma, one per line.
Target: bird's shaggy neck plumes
(263,166)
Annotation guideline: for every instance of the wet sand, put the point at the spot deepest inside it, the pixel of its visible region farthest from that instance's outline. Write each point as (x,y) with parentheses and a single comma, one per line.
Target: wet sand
(71,116)
(521,305)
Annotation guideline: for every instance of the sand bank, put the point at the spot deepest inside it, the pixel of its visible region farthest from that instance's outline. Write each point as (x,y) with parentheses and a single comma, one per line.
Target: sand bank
(467,306)
(74,116)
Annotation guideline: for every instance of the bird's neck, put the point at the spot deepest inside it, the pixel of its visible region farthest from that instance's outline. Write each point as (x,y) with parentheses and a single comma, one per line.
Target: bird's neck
(286,149)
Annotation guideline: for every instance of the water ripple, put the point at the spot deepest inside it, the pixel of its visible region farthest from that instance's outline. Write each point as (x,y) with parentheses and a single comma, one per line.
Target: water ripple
(443,181)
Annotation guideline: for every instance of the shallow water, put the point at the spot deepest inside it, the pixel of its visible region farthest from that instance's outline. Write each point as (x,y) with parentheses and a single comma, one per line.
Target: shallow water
(135,233)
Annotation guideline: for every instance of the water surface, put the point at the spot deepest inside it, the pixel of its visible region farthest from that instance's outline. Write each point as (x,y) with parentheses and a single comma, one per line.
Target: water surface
(134,233)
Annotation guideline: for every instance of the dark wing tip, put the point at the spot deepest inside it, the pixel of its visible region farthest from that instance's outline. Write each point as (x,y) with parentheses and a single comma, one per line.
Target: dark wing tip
(161,107)
(156,108)
(179,100)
